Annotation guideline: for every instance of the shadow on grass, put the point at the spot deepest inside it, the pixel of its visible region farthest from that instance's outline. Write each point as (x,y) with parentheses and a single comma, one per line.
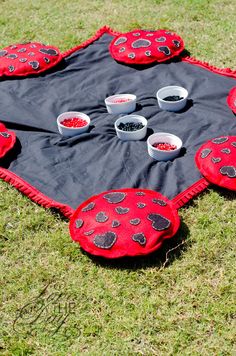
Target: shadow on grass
(225,193)
(171,250)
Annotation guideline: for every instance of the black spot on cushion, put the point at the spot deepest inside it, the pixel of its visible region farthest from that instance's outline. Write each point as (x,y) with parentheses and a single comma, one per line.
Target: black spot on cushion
(12,56)
(141,205)
(164,49)
(159,222)
(140,193)
(5,134)
(160,39)
(176,43)
(226,150)
(115,223)
(131,55)
(121,210)
(11,68)
(216,159)
(34,64)
(22,50)
(140,238)
(88,233)
(220,140)
(140,43)
(115,197)
(159,202)
(135,222)
(101,217)
(79,223)
(205,153)
(105,241)
(88,207)
(3,53)
(229,171)
(120,40)
(49,51)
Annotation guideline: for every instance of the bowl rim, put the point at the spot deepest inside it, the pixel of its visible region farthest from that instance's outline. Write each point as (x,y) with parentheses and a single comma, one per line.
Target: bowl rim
(172,87)
(74,113)
(139,118)
(108,101)
(163,151)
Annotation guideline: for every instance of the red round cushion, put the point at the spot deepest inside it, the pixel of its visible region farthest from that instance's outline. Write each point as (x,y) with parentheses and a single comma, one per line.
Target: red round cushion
(216,160)
(144,47)
(7,140)
(28,58)
(124,222)
(231,99)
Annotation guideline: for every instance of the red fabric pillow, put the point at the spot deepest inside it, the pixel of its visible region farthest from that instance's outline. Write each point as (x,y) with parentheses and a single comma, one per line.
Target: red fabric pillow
(28,58)
(144,47)
(216,160)
(7,140)
(231,99)
(124,222)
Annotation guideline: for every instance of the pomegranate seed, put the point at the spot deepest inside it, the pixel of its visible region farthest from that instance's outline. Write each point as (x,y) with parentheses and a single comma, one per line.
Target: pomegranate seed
(74,122)
(119,101)
(164,146)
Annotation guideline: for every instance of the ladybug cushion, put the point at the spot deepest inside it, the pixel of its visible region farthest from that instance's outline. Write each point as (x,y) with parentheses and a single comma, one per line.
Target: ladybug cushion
(231,99)
(144,47)
(7,140)
(216,160)
(124,222)
(28,58)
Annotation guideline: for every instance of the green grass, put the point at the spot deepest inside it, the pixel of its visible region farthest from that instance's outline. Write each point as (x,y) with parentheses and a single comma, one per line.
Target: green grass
(179,301)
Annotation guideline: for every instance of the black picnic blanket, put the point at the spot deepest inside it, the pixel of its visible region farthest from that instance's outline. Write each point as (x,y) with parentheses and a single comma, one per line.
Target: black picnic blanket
(69,170)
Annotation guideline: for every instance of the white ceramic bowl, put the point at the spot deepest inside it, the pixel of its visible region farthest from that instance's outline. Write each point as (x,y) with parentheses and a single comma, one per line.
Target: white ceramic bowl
(165,137)
(72,131)
(115,107)
(131,135)
(172,105)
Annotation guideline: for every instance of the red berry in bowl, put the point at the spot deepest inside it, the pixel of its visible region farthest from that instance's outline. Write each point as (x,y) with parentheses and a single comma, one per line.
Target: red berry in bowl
(74,122)
(119,101)
(164,146)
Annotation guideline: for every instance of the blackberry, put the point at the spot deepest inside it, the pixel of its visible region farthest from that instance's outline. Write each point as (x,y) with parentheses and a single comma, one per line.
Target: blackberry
(130,126)
(173,98)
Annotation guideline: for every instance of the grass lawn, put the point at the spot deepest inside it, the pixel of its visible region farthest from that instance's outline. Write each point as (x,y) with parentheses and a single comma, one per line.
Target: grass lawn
(179,301)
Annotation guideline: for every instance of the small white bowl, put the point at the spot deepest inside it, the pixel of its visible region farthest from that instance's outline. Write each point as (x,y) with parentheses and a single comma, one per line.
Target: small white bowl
(161,155)
(72,131)
(131,135)
(126,107)
(172,105)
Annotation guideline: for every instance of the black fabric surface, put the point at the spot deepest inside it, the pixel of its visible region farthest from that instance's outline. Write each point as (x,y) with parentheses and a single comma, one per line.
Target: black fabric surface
(69,170)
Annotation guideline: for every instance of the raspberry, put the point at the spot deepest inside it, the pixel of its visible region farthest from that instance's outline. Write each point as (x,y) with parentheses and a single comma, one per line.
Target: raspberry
(119,101)
(164,146)
(74,122)
(173,98)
